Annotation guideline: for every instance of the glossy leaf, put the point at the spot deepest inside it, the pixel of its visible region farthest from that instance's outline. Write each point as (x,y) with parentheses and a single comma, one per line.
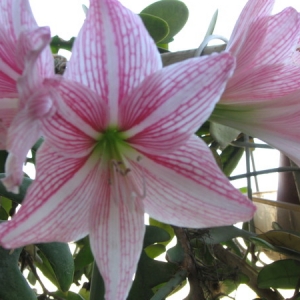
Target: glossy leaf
(3,214)
(13,285)
(175,284)
(157,27)
(225,233)
(85,256)
(61,261)
(68,296)
(223,134)
(164,226)
(155,250)
(175,254)
(282,274)
(155,234)
(46,268)
(263,243)
(5,205)
(149,274)
(281,238)
(230,158)
(175,13)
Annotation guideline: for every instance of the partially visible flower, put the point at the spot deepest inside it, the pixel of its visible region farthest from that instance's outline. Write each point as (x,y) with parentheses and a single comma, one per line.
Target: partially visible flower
(120,143)
(25,60)
(262,98)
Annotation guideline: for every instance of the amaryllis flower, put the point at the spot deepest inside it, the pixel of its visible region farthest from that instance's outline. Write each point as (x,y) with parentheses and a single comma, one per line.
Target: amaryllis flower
(121,143)
(25,60)
(262,98)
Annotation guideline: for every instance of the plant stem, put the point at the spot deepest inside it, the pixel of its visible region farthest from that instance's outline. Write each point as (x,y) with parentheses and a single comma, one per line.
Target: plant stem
(175,281)
(196,291)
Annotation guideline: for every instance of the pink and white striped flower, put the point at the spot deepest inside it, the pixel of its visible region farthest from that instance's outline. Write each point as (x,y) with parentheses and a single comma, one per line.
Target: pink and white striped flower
(121,143)
(25,60)
(262,98)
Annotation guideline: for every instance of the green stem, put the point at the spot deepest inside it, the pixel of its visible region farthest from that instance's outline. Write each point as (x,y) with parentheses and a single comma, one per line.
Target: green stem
(171,285)
(97,285)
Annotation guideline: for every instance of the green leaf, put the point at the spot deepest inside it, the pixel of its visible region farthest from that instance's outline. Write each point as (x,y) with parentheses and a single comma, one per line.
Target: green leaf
(282,238)
(175,254)
(31,278)
(175,284)
(223,234)
(283,274)
(61,261)
(46,268)
(68,295)
(223,134)
(84,256)
(6,205)
(155,250)
(155,234)
(212,24)
(262,243)
(204,129)
(230,158)
(3,214)
(149,274)
(85,294)
(229,285)
(13,285)
(175,13)
(18,198)
(157,27)
(168,228)
(3,156)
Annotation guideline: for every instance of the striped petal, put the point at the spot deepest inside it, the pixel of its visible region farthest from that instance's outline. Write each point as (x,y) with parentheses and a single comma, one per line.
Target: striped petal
(276,122)
(174,102)
(251,24)
(261,83)
(187,188)
(281,39)
(33,47)
(113,53)
(272,71)
(15,16)
(116,236)
(80,117)
(35,104)
(56,207)
(8,110)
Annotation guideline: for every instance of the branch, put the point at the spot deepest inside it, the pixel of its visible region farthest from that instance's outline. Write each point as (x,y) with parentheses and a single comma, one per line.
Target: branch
(236,262)
(196,292)
(174,57)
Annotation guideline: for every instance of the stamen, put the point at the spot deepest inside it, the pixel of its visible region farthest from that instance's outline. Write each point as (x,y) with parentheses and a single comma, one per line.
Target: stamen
(116,164)
(125,187)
